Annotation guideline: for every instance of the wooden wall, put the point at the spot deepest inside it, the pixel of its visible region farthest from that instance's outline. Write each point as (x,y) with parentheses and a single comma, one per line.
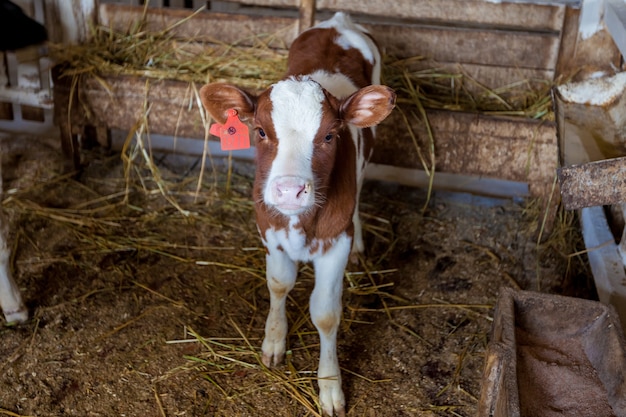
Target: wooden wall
(497,44)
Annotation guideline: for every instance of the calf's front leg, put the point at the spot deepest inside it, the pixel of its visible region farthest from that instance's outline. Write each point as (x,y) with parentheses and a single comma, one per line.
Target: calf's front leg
(281,274)
(325,308)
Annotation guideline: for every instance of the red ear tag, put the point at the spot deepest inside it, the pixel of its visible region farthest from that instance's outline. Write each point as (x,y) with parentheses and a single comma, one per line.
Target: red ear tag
(233,134)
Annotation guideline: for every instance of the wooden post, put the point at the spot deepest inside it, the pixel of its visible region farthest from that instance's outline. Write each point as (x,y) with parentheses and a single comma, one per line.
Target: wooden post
(307,15)
(74,20)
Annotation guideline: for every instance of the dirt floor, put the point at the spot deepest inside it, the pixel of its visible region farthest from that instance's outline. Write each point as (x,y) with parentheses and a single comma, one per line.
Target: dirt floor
(147,305)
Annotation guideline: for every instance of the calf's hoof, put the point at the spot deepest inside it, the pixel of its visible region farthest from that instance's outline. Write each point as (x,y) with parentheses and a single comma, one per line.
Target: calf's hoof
(332,400)
(273,352)
(16,317)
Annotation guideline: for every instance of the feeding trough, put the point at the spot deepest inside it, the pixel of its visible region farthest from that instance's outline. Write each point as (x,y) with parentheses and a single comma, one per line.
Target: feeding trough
(552,355)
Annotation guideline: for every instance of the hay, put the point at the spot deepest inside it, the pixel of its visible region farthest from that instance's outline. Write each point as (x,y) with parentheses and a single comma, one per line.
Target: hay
(10,413)
(160,55)
(437,88)
(232,355)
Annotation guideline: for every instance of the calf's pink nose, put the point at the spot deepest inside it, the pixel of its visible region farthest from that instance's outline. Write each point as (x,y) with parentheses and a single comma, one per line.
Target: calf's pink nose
(290,190)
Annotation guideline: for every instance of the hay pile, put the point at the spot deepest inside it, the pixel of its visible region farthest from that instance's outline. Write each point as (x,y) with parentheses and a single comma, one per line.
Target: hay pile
(161,55)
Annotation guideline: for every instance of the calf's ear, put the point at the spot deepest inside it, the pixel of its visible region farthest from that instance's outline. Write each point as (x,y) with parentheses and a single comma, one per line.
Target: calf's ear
(369,106)
(218,98)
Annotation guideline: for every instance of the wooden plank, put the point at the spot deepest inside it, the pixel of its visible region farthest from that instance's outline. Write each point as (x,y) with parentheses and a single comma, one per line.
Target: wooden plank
(70,22)
(205,26)
(598,183)
(471,13)
(307,15)
(121,105)
(267,3)
(285,8)
(513,149)
(471,46)
(444,44)
(615,20)
(481,77)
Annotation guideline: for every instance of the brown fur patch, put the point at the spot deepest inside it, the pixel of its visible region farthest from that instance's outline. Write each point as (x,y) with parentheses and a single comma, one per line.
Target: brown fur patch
(305,57)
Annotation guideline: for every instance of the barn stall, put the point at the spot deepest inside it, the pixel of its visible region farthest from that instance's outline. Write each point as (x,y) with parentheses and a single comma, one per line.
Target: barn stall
(134,236)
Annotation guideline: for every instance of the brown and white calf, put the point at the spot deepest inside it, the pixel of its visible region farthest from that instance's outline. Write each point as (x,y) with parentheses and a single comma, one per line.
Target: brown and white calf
(314,135)
(10,299)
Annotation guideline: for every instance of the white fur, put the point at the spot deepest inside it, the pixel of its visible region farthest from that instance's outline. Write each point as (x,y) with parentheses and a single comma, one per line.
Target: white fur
(337,84)
(325,307)
(10,298)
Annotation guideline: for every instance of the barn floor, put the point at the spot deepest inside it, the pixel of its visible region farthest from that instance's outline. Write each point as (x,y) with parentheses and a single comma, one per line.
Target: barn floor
(150,306)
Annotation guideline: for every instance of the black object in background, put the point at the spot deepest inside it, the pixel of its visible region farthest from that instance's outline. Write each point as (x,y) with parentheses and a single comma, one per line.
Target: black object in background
(17,30)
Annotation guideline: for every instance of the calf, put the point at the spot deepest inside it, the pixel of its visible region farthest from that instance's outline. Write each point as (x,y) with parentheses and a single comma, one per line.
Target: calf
(10,298)
(314,135)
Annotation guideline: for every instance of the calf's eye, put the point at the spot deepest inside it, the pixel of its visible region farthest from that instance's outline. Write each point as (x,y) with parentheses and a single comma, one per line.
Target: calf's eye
(261,133)
(328,138)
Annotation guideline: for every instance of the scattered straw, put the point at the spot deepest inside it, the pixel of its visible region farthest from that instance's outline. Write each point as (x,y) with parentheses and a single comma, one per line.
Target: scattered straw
(222,357)
(10,413)
(157,398)
(102,222)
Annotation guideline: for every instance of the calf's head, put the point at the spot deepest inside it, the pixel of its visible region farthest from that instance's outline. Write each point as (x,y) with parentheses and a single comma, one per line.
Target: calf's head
(299,127)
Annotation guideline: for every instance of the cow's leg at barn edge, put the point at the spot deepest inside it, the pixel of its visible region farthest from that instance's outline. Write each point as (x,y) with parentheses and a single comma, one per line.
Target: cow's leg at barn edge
(10,297)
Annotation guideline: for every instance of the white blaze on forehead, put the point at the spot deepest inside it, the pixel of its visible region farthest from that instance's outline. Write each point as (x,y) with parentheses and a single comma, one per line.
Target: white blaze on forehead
(297,114)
